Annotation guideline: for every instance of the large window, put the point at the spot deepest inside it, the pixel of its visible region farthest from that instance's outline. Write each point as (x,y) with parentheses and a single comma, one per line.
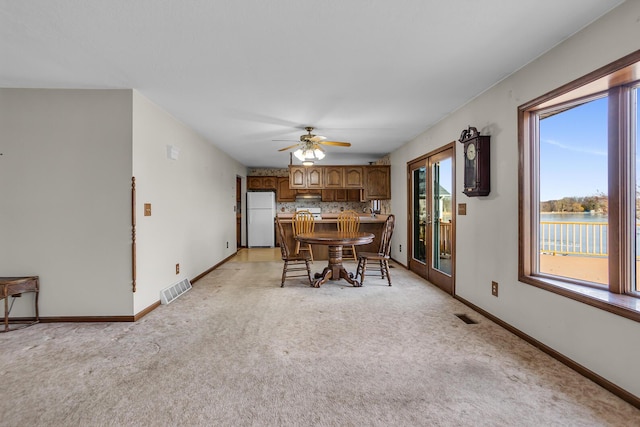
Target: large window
(579,189)
(572,199)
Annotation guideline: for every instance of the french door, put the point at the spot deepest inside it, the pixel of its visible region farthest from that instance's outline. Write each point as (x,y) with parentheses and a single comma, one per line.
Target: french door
(432,223)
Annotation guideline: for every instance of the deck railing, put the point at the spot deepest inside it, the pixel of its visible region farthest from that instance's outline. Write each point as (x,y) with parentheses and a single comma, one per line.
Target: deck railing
(445,238)
(574,238)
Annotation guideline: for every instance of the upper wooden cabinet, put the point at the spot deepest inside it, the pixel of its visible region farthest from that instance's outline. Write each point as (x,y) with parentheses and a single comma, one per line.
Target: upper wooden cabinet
(284,192)
(374,181)
(306,177)
(261,183)
(353,177)
(341,195)
(343,177)
(377,182)
(333,177)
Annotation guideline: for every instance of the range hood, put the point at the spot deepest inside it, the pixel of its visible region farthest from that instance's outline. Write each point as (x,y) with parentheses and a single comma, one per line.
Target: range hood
(308,197)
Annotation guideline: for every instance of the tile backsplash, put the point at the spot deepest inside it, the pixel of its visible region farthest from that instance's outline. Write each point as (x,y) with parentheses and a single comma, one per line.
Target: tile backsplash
(326,207)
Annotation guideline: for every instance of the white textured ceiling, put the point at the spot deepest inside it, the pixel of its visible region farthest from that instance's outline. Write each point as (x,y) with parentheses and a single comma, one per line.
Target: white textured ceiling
(242,73)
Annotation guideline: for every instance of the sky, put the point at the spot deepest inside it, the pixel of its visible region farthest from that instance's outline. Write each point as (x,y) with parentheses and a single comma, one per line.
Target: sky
(573,152)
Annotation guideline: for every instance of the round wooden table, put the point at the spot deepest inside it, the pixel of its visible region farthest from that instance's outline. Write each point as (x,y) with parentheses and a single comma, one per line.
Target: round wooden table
(335,240)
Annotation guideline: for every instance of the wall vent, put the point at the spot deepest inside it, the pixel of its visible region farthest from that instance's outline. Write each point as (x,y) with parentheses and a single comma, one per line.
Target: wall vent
(466,319)
(169,294)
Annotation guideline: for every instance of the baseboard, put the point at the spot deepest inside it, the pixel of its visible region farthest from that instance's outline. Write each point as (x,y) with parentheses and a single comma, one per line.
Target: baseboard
(146,311)
(134,318)
(85,319)
(585,372)
(399,263)
(201,275)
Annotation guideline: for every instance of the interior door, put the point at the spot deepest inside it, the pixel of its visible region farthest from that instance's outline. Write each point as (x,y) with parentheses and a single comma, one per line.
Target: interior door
(432,223)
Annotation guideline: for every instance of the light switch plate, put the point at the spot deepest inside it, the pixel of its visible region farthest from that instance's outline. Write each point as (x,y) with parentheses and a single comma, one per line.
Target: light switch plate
(147,209)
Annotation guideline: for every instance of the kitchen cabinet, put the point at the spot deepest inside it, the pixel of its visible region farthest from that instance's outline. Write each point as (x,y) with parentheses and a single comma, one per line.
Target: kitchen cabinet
(341,195)
(284,193)
(328,195)
(343,177)
(306,177)
(333,177)
(353,177)
(346,195)
(372,182)
(377,185)
(352,195)
(261,183)
(309,191)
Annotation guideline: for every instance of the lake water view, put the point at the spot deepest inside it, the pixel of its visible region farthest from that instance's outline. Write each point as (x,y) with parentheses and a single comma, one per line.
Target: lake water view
(588,239)
(572,217)
(574,234)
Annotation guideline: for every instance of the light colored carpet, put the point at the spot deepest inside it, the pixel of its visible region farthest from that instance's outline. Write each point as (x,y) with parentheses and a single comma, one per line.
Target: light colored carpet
(238,350)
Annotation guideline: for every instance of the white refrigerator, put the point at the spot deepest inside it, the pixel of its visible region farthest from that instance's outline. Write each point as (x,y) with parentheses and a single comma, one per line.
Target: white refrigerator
(261,213)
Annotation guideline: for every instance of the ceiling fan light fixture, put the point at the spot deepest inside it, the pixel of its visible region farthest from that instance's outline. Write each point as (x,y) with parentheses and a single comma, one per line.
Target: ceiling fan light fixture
(309,149)
(307,163)
(300,155)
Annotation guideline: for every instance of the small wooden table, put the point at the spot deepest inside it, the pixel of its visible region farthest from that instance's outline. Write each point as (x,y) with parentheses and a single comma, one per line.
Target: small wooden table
(335,240)
(15,286)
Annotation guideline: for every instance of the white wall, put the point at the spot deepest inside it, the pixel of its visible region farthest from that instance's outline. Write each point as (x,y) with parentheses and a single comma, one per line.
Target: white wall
(192,201)
(487,237)
(65,186)
(65,197)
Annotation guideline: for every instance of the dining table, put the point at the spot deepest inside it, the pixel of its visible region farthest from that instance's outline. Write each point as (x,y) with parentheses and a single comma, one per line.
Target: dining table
(335,240)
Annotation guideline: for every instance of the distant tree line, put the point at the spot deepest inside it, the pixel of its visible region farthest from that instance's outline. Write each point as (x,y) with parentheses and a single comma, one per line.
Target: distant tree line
(597,203)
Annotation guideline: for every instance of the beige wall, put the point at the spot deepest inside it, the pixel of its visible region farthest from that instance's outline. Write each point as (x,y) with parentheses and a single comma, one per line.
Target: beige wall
(192,200)
(65,185)
(487,237)
(64,190)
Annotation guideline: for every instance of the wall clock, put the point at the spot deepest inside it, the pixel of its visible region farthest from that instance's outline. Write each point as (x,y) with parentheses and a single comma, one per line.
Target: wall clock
(476,163)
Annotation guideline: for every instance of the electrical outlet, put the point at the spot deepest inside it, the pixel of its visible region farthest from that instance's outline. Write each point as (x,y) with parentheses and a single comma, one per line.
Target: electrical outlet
(227,245)
(400,248)
(177,268)
(494,289)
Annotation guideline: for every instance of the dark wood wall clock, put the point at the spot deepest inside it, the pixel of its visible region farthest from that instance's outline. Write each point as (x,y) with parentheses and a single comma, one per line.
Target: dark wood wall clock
(476,162)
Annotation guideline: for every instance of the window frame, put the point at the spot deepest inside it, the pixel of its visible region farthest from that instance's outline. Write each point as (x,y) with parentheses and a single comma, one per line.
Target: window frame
(617,80)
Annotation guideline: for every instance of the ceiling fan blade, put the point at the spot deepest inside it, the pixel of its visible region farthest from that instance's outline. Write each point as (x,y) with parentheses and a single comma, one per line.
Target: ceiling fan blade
(338,143)
(289,147)
(317,138)
(284,139)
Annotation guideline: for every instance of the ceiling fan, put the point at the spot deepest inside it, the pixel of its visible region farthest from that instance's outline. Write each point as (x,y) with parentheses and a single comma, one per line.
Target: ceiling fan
(309,147)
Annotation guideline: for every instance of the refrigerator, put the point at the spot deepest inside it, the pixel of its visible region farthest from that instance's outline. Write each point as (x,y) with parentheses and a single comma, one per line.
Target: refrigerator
(261,213)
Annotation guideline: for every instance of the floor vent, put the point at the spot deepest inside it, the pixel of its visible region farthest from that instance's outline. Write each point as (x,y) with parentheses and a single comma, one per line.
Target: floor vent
(172,292)
(466,319)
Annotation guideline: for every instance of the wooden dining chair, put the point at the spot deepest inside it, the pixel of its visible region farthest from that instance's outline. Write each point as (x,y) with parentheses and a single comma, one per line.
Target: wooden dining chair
(382,256)
(349,222)
(293,263)
(303,222)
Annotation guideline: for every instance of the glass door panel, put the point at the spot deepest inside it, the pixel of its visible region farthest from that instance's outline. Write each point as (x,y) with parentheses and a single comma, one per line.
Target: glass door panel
(441,188)
(635,126)
(440,219)
(419,222)
(432,223)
